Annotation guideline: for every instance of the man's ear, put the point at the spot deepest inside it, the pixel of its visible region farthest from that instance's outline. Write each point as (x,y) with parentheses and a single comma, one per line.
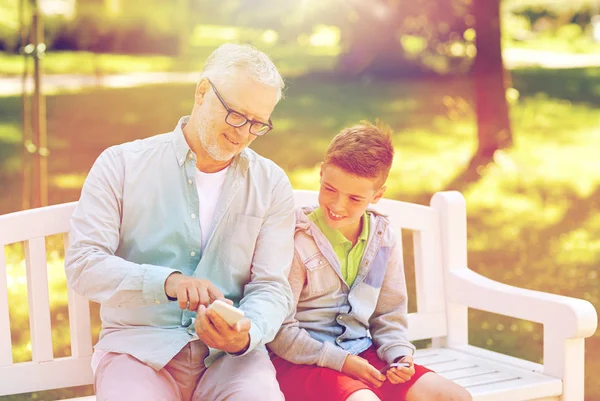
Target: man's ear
(201,90)
(379,194)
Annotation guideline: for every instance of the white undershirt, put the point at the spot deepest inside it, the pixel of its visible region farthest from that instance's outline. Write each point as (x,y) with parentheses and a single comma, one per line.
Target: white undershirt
(209,186)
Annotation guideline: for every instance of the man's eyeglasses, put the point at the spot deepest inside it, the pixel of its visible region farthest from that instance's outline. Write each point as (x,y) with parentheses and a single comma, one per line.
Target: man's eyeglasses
(237,119)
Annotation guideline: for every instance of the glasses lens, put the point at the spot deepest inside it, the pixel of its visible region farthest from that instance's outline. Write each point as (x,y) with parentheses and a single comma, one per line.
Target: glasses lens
(259,128)
(235,119)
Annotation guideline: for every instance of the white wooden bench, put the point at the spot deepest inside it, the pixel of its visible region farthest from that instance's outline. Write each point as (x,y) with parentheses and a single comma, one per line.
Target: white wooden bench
(445,289)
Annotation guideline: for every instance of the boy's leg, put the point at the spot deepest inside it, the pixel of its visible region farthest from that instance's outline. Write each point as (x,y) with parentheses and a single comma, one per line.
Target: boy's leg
(122,377)
(315,383)
(363,395)
(434,387)
(249,377)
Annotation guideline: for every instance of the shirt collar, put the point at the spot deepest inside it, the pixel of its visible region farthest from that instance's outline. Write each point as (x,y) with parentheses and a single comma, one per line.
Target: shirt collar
(335,236)
(182,149)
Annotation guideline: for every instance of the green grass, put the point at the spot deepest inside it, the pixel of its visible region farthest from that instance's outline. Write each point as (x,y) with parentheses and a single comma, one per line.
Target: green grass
(534,215)
(291,60)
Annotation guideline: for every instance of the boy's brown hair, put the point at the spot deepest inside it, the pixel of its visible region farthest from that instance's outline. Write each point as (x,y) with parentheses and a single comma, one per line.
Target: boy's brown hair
(364,150)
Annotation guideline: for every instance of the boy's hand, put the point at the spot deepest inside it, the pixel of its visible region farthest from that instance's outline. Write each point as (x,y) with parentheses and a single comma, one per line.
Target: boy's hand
(359,368)
(213,331)
(401,375)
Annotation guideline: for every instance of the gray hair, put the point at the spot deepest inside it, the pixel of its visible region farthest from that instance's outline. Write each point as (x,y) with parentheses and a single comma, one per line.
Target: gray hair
(230,59)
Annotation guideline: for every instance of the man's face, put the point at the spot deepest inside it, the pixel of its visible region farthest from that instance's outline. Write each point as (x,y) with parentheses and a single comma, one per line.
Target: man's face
(220,140)
(344,197)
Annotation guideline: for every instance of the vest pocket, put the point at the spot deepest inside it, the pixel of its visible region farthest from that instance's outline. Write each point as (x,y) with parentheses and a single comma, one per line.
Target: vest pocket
(321,277)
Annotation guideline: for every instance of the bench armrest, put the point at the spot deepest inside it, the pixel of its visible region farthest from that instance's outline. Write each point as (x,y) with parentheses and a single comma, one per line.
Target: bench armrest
(567,317)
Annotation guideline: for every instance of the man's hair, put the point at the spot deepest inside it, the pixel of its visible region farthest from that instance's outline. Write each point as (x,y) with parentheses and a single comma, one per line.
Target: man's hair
(364,150)
(230,59)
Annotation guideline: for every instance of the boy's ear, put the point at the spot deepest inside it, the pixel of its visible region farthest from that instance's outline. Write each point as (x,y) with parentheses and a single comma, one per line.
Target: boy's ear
(321,170)
(379,194)
(201,90)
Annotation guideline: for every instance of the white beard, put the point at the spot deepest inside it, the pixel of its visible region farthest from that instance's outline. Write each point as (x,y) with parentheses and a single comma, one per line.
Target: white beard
(210,144)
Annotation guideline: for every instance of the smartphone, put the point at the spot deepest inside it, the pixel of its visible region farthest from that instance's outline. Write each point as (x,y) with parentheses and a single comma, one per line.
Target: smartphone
(229,313)
(394,365)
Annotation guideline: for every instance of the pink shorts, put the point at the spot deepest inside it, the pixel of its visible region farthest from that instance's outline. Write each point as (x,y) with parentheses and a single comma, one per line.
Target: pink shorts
(311,382)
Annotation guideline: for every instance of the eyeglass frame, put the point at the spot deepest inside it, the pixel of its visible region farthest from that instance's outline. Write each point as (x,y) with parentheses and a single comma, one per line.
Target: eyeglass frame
(247,120)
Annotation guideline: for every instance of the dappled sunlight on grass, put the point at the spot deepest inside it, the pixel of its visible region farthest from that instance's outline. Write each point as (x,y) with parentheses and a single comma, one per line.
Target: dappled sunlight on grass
(89,63)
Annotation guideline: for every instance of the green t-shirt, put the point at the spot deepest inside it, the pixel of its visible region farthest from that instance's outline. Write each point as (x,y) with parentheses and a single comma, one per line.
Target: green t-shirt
(348,255)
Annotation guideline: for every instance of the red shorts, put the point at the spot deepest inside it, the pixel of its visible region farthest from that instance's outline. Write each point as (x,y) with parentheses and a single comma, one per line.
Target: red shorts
(311,382)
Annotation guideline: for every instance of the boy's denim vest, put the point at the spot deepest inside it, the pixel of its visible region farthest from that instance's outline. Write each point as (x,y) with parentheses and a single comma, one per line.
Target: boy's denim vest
(329,310)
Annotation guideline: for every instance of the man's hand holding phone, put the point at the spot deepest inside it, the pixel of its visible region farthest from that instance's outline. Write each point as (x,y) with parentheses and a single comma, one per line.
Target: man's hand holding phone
(400,371)
(224,327)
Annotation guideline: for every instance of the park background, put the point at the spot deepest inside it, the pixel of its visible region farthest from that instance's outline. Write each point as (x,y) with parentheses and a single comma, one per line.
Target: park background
(499,99)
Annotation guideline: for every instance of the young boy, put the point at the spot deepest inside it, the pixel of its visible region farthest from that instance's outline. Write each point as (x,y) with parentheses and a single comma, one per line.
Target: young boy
(347,277)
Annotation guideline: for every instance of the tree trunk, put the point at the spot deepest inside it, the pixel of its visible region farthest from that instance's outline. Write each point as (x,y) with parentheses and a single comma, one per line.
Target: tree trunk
(493,119)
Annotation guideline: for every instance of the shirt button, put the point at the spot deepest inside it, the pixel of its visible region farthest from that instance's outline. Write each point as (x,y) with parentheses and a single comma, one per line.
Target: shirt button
(156,301)
(192,253)
(189,181)
(193,216)
(340,317)
(320,262)
(338,340)
(190,155)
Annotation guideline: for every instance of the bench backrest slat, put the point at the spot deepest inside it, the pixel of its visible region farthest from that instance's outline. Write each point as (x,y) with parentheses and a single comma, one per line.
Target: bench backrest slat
(428,273)
(5,339)
(79,320)
(39,300)
(35,223)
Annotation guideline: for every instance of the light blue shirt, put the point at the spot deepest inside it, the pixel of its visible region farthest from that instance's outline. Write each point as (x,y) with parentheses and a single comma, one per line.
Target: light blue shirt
(137,222)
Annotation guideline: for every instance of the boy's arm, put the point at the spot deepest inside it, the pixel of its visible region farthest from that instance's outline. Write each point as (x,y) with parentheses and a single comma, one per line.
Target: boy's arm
(293,343)
(389,322)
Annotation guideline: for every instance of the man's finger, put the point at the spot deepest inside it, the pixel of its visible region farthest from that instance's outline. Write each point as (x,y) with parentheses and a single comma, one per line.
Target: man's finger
(243,325)
(182,298)
(218,322)
(214,292)
(204,328)
(193,298)
(204,299)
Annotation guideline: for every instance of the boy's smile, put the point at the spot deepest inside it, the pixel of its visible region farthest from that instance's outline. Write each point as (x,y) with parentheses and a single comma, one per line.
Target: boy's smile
(344,197)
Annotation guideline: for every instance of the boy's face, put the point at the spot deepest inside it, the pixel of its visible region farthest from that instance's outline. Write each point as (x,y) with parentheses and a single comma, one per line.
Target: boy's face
(344,197)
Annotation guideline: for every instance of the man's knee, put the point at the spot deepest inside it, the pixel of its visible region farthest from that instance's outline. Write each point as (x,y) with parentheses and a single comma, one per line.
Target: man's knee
(248,378)
(122,377)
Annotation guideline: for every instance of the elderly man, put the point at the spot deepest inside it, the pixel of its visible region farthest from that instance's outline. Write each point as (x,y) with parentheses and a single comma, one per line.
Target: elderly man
(168,224)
